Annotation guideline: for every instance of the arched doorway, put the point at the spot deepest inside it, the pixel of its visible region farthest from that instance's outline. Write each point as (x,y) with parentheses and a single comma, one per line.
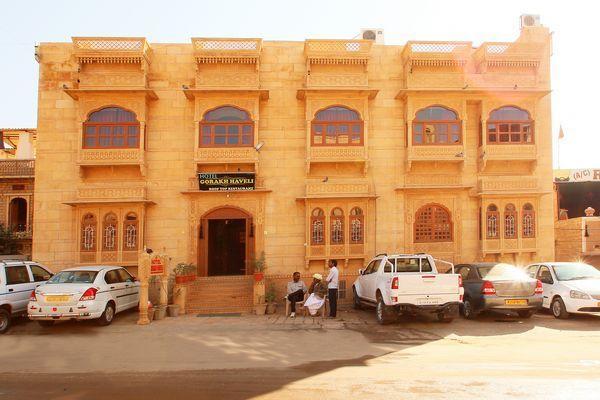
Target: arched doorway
(226,242)
(17,218)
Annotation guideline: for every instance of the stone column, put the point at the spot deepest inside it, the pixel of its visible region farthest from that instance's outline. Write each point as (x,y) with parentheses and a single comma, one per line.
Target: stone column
(144,276)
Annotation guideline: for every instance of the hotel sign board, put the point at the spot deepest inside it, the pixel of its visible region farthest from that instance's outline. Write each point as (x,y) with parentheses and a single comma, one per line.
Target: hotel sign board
(577,175)
(223,182)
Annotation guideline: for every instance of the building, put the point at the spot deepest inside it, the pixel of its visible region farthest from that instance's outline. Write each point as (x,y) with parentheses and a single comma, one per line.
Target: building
(218,150)
(577,232)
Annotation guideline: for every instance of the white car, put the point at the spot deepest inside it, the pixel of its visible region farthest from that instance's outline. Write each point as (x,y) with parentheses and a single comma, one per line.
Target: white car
(17,280)
(97,292)
(407,284)
(569,287)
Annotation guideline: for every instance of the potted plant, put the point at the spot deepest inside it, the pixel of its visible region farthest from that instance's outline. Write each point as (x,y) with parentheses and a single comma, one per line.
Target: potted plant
(259,268)
(150,311)
(184,272)
(270,297)
(261,307)
(173,309)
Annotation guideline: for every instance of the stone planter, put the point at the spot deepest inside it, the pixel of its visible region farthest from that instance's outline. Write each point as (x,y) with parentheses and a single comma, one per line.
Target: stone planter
(258,276)
(160,312)
(271,308)
(150,313)
(173,310)
(260,309)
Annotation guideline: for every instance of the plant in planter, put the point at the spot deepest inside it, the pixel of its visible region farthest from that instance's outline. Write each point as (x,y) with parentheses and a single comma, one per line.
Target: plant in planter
(184,272)
(259,267)
(261,307)
(270,297)
(173,309)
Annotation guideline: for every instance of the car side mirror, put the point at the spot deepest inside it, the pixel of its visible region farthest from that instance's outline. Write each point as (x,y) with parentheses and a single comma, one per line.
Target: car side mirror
(360,271)
(134,279)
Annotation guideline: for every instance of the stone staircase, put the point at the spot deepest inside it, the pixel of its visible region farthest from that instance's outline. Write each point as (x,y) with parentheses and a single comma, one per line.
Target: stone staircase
(220,294)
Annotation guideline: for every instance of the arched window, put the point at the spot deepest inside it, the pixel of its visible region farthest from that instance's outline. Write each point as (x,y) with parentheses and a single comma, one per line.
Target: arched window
(111,128)
(337,226)
(436,125)
(509,125)
(356,226)
(492,217)
(130,232)
(109,233)
(337,126)
(510,222)
(528,221)
(317,227)
(433,224)
(88,232)
(17,214)
(227,126)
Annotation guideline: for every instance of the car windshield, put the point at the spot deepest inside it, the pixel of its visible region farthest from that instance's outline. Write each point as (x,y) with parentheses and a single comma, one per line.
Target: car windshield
(73,277)
(571,272)
(502,271)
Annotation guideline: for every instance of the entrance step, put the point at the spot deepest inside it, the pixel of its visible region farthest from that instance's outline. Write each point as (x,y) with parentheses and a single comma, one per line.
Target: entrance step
(220,294)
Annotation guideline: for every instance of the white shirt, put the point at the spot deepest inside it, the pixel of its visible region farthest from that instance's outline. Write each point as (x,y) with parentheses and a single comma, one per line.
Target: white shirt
(333,278)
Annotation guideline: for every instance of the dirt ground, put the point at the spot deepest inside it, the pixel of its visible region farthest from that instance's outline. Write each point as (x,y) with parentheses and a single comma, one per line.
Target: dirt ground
(271,357)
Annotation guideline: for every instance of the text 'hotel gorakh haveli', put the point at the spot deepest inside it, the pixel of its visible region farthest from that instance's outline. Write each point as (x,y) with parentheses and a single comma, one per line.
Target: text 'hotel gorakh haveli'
(310,151)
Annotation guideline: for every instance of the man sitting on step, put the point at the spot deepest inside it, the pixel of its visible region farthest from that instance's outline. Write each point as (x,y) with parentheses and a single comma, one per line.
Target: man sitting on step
(295,292)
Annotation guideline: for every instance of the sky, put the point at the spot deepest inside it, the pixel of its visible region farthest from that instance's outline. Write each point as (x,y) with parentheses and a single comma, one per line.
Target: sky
(575,27)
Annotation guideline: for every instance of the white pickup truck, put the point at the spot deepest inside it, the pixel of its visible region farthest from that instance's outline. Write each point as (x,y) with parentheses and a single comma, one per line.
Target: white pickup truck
(407,284)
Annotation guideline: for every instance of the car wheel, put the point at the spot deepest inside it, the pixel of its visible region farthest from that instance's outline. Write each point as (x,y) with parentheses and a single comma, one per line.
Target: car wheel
(107,316)
(525,313)
(356,303)
(4,320)
(558,308)
(385,314)
(444,318)
(467,310)
(46,324)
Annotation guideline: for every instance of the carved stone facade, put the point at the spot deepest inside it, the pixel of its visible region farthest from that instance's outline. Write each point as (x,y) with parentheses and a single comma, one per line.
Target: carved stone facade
(367,197)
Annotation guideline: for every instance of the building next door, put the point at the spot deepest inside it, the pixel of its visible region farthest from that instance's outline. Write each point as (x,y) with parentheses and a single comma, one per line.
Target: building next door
(226,243)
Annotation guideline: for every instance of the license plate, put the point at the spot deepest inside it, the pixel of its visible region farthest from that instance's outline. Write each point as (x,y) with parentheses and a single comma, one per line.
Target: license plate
(57,299)
(424,302)
(516,302)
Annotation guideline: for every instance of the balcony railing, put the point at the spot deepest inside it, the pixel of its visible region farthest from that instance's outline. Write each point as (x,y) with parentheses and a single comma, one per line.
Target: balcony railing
(508,152)
(495,184)
(17,168)
(508,54)
(111,49)
(226,50)
(110,156)
(436,54)
(327,51)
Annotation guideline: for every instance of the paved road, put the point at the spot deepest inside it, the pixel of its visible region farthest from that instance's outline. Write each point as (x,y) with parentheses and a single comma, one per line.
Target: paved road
(275,358)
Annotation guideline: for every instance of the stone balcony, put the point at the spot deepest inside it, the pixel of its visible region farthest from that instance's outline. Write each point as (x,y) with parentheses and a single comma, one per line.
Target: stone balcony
(112,62)
(435,153)
(225,155)
(111,157)
(508,54)
(14,168)
(506,246)
(336,154)
(337,64)
(507,152)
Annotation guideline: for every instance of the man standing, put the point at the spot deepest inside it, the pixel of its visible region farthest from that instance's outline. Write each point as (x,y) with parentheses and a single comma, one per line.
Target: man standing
(333,284)
(295,292)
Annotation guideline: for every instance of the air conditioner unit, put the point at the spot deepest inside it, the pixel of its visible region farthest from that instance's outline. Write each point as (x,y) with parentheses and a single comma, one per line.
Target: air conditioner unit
(372,34)
(528,20)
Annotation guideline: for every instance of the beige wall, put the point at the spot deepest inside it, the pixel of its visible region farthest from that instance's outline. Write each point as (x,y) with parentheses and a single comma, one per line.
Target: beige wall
(280,213)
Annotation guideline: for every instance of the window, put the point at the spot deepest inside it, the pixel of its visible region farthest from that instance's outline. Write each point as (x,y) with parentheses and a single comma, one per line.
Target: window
(545,275)
(16,275)
(130,231)
(508,125)
(109,231)
(227,126)
(407,265)
(88,232)
(337,126)
(39,273)
(17,214)
(491,222)
(317,226)
(532,270)
(370,267)
(436,126)
(356,226)
(433,224)
(510,222)
(528,221)
(124,275)
(464,272)
(111,128)
(337,226)
(112,276)
(425,265)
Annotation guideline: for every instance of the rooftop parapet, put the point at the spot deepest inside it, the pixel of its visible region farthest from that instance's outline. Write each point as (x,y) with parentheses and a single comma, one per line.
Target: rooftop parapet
(436,54)
(508,54)
(331,51)
(125,50)
(227,50)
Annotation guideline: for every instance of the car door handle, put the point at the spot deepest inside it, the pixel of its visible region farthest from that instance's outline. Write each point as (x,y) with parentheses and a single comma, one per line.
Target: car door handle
(112,287)
(11,290)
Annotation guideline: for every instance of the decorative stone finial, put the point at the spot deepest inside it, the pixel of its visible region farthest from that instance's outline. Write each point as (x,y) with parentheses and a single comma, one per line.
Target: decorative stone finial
(589,212)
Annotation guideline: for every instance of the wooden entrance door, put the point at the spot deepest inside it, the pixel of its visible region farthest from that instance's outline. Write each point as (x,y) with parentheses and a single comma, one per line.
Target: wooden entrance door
(225,243)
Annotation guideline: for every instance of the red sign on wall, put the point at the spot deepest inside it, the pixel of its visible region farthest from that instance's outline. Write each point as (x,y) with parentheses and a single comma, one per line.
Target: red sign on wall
(156,266)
